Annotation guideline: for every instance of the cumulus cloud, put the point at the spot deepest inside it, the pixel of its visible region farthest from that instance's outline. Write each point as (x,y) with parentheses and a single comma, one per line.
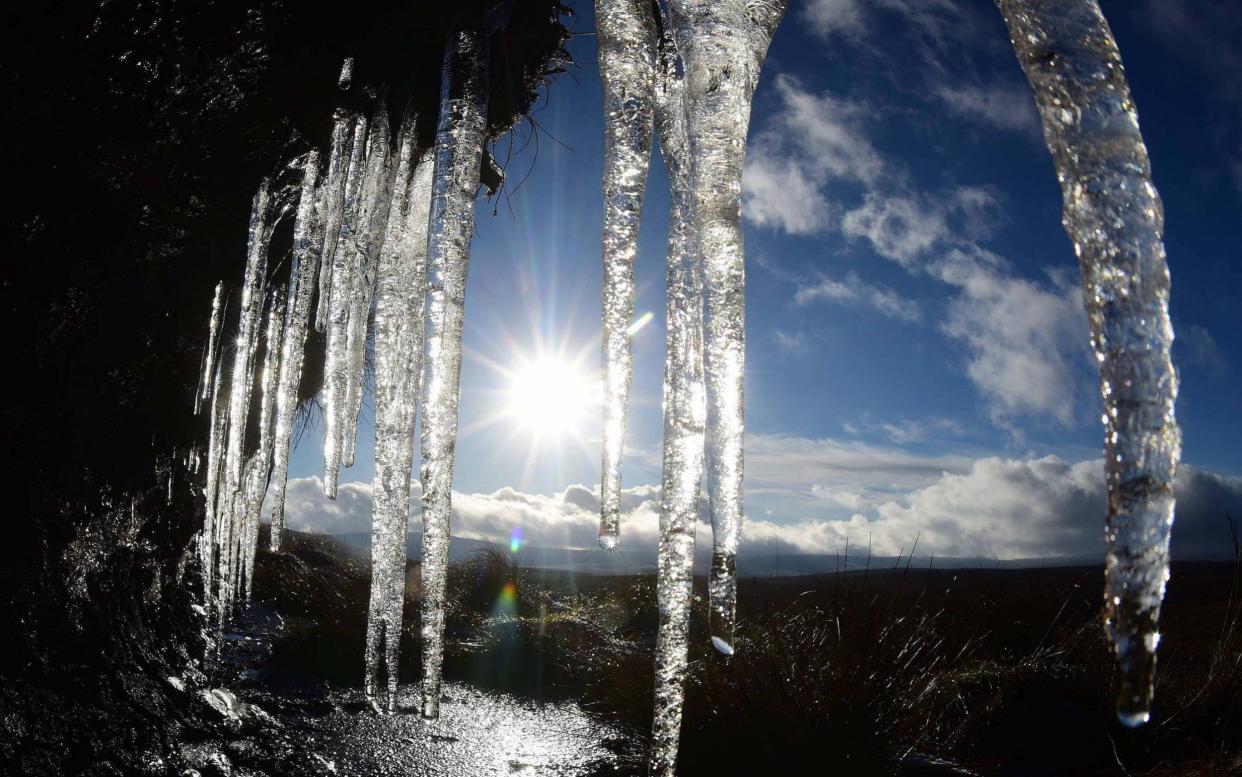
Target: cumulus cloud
(898,227)
(905,227)
(853,290)
(989,507)
(1026,341)
(808,142)
(569,519)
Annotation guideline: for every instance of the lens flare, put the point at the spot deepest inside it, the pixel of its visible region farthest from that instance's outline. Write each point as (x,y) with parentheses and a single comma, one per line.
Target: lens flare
(515,539)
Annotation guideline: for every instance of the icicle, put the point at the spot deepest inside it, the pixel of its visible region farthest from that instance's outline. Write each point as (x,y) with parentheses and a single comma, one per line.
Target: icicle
(685,415)
(458,154)
(346,78)
(211,491)
(334,194)
(209,358)
(248,331)
(399,311)
(723,43)
(306,252)
(337,361)
(368,239)
(1114,217)
(228,504)
(259,466)
(627,40)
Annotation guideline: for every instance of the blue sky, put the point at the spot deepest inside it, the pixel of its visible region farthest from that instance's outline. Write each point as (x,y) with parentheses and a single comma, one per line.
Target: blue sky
(917,358)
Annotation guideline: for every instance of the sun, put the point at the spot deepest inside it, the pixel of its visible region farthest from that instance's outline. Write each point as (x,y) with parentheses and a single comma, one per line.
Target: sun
(550,396)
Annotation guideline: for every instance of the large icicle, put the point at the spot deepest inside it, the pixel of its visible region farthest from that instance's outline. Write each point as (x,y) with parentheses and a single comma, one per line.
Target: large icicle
(1114,217)
(307,243)
(399,310)
(206,383)
(685,415)
(337,362)
(627,41)
(334,193)
(723,43)
(458,154)
(368,239)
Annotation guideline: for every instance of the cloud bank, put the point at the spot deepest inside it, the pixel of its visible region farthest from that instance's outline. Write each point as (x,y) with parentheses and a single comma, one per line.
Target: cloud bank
(815,495)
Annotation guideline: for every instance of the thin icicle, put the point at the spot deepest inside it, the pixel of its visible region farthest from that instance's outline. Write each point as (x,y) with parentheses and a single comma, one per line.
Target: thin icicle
(259,466)
(334,193)
(337,361)
(209,357)
(399,313)
(228,507)
(627,42)
(685,417)
(1114,217)
(460,133)
(368,240)
(215,465)
(255,280)
(306,254)
(723,43)
(346,77)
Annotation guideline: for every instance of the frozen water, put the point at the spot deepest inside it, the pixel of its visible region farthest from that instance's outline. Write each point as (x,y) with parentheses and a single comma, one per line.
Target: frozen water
(685,414)
(333,203)
(460,135)
(368,239)
(1114,217)
(399,313)
(627,42)
(338,362)
(723,44)
(307,243)
(206,384)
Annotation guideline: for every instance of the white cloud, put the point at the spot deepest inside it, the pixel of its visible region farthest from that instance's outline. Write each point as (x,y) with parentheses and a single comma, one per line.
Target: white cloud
(1026,342)
(905,227)
(904,431)
(1002,106)
(987,507)
(790,342)
(898,227)
(829,17)
(854,290)
(1195,345)
(810,141)
(777,193)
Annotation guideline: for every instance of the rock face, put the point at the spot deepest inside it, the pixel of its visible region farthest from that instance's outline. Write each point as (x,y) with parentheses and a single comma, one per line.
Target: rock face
(135,134)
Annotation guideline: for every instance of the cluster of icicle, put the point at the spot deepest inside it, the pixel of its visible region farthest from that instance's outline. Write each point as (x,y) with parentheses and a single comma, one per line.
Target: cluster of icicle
(382,238)
(388,230)
(687,69)
(1113,215)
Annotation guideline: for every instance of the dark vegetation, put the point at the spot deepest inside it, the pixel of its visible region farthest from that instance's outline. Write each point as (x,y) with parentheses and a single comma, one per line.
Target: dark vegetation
(135,134)
(889,671)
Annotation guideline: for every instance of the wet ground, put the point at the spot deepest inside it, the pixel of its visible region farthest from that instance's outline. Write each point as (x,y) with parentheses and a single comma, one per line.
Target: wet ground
(479,732)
